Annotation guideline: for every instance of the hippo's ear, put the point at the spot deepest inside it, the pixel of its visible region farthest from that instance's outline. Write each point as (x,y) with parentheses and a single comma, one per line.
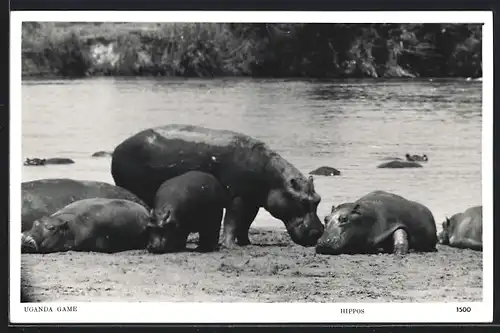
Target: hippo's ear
(310,184)
(332,209)
(446,222)
(166,216)
(152,212)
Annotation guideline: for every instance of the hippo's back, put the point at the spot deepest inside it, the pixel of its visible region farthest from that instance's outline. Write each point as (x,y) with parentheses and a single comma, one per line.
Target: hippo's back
(194,186)
(106,212)
(475,212)
(417,218)
(145,160)
(44,197)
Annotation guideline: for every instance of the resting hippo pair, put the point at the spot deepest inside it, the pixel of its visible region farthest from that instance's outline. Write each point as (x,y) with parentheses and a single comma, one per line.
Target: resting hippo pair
(252,174)
(60,214)
(464,230)
(378,221)
(47,161)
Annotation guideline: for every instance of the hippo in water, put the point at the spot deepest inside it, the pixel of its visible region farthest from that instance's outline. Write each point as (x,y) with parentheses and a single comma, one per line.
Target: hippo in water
(391,158)
(399,165)
(44,197)
(47,161)
(97,225)
(102,154)
(253,175)
(192,202)
(378,220)
(464,230)
(416,158)
(325,171)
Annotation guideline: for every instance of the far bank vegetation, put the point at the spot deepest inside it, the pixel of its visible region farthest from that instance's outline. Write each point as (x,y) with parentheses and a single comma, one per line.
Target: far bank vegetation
(255,50)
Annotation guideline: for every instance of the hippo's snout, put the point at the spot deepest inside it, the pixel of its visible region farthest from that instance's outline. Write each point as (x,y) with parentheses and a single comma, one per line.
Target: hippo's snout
(305,231)
(28,244)
(329,246)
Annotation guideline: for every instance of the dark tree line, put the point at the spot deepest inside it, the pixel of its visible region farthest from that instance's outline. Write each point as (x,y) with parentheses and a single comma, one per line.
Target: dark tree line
(264,50)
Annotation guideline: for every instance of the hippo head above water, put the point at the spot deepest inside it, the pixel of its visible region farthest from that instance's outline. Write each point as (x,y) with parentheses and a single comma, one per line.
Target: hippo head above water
(48,234)
(34,161)
(165,233)
(346,230)
(416,158)
(296,203)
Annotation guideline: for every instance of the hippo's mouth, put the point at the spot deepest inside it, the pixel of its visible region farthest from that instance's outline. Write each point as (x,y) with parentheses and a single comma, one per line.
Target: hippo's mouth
(303,235)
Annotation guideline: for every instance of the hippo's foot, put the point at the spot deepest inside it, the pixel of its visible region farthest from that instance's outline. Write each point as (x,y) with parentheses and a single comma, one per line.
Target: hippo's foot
(239,217)
(209,241)
(401,246)
(229,242)
(206,248)
(233,241)
(243,241)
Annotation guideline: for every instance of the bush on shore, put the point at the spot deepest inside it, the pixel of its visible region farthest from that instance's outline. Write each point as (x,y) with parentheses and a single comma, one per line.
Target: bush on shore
(258,50)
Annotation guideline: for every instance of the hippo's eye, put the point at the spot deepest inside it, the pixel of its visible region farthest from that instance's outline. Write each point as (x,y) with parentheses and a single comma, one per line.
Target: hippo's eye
(343,219)
(50,227)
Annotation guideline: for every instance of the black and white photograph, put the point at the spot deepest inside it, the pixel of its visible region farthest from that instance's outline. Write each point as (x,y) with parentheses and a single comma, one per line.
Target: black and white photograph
(246,160)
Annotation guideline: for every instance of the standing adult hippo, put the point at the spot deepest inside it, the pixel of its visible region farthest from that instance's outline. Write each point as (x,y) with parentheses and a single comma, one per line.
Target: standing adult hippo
(254,176)
(98,225)
(44,197)
(464,230)
(378,220)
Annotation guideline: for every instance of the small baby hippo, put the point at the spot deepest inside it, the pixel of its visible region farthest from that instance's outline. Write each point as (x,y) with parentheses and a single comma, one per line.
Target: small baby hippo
(189,203)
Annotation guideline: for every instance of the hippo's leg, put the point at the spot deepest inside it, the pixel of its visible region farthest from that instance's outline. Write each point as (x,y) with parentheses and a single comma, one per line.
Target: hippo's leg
(101,244)
(181,240)
(400,238)
(239,216)
(209,235)
(208,240)
(466,243)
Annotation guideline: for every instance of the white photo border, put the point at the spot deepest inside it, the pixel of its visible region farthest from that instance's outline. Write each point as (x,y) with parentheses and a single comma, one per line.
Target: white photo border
(164,312)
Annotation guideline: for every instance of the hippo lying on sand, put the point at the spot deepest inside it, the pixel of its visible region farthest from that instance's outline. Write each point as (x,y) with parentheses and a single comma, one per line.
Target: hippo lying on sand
(46,196)
(378,220)
(325,171)
(253,175)
(98,225)
(102,154)
(415,158)
(464,230)
(399,164)
(192,202)
(47,161)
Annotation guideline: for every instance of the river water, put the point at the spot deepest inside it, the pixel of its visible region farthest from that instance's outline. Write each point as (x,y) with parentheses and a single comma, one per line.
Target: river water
(349,125)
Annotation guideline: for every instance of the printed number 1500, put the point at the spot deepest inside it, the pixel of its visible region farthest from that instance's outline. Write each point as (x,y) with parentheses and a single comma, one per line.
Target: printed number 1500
(463,309)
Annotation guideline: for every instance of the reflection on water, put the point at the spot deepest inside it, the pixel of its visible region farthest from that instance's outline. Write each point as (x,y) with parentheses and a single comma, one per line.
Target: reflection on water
(349,125)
